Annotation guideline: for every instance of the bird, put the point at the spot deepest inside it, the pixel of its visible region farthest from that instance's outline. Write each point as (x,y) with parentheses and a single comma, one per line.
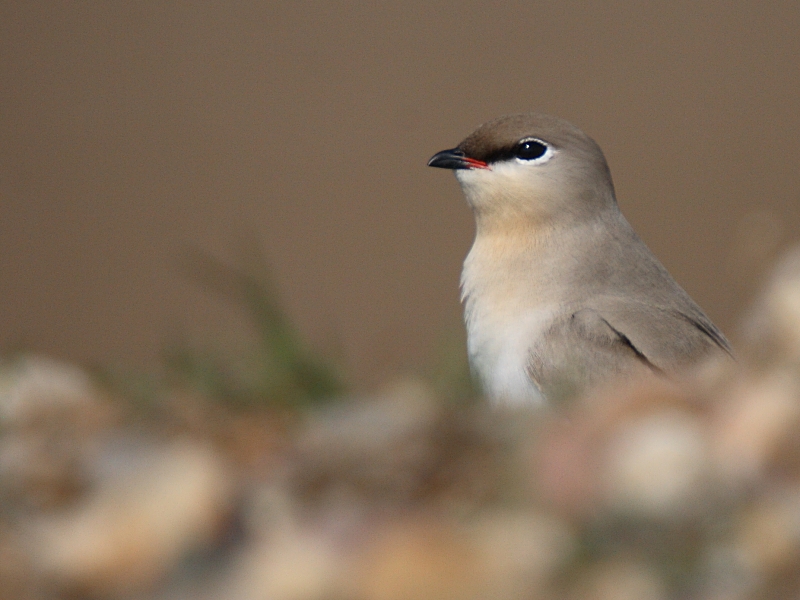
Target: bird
(560,294)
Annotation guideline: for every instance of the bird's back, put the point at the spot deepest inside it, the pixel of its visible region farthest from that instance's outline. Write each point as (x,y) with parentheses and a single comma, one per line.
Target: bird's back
(623,313)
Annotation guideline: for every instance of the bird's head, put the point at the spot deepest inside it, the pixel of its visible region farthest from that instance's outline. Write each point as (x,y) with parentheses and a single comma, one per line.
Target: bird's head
(530,167)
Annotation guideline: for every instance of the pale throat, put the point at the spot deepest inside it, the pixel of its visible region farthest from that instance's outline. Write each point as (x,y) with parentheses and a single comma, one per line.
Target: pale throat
(506,308)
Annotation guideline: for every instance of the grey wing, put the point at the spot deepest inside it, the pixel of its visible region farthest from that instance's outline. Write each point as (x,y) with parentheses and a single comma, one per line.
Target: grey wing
(669,336)
(582,350)
(617,337)
(703,324)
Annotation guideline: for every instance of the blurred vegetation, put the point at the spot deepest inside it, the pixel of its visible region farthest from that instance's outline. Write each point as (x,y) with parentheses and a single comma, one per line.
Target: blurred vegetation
(279,369)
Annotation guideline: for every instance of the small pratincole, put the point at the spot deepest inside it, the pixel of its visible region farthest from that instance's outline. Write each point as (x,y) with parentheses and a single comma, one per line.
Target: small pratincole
(559,292)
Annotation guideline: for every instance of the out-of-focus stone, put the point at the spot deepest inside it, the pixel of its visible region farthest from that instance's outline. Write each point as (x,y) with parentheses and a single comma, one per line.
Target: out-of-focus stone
(35,385)
(400,413)
(421,559)
(397,448)
(773,329)
(724,574)
(563,465)
(570,457)
(290,565)
(286,557)
(768,536)
(758,418)
(41,468)
(17,580)
(50,417)
(377,448)
(657,465)
(138,524)
(621,580)
(521,551)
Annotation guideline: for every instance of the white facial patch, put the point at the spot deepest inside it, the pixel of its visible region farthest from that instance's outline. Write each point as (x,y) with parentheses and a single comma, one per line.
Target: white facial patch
(507,181)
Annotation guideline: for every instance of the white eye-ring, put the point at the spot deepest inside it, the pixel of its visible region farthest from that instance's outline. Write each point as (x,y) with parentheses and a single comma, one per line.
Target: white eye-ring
(532,151)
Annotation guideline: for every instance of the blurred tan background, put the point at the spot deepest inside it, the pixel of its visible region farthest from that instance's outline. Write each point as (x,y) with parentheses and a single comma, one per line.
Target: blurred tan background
(131,132)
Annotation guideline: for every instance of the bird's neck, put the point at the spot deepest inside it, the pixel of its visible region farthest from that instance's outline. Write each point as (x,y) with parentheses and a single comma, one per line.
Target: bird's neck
(501,260)
(514,263)
(512,206)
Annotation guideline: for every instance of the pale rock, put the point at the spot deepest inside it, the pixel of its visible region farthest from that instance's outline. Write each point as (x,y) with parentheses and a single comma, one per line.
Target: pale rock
(775,320)
(520,550)
(135,526)
(290,565)
(754,421)
(34,385)
(622,580)
(656,465)
(768,534)
(421,559)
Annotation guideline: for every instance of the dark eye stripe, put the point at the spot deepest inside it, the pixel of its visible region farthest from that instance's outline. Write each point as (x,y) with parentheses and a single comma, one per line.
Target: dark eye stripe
(511,151)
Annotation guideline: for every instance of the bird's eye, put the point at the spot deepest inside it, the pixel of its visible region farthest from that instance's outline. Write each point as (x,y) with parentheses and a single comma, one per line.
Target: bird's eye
(531,149)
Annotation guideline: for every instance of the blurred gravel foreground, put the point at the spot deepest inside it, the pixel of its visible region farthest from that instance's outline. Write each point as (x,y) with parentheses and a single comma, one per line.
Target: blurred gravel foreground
(647,491)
